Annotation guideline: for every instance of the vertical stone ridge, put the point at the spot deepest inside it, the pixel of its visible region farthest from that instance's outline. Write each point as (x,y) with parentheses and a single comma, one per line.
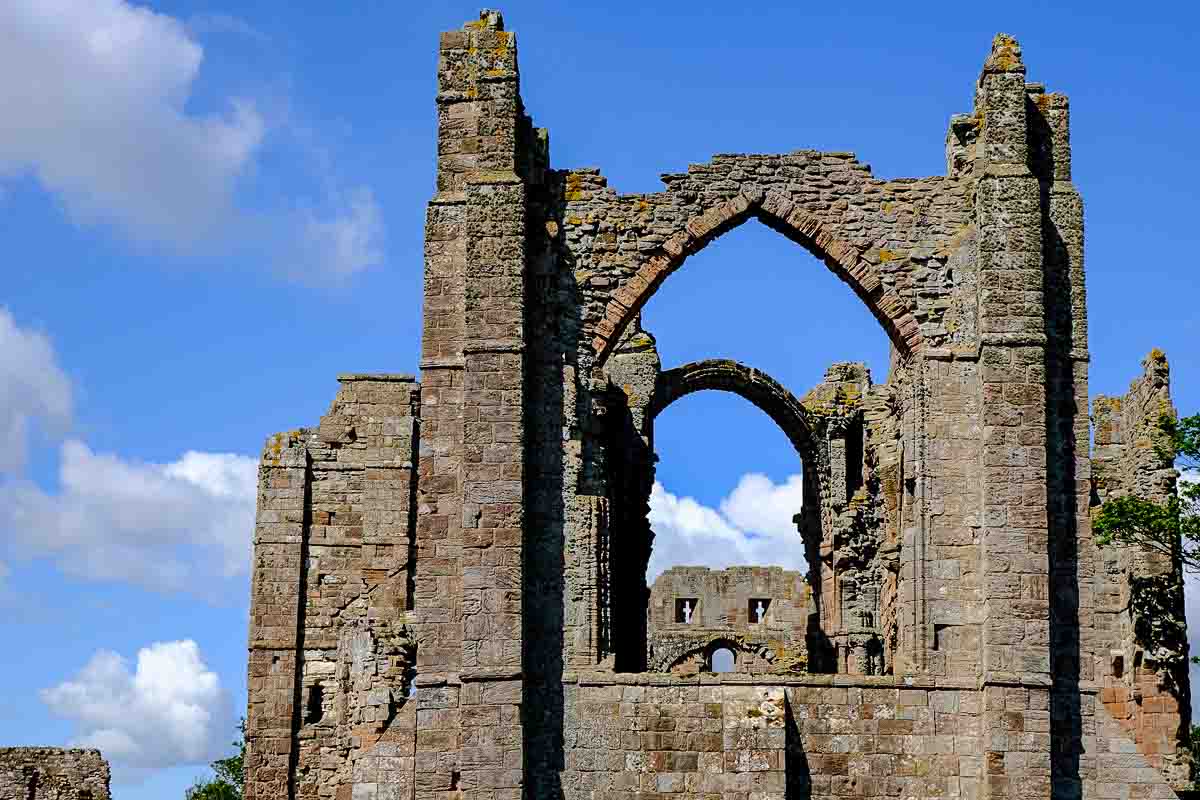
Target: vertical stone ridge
(471,497)
(1013,362)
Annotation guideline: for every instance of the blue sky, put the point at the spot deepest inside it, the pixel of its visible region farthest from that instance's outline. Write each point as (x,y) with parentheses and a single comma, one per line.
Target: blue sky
(212,209)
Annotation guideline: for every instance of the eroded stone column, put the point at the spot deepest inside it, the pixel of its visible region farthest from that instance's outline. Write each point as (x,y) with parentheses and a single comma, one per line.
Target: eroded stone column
(471,499)
(1015,566)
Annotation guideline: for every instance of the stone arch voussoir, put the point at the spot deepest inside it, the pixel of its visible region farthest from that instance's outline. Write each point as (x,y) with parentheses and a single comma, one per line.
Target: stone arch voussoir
(781,214)
(754,385)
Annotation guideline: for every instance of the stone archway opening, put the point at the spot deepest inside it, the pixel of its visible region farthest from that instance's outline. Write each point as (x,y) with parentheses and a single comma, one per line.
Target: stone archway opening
(826,614)
(722,660)
(850,590)
(767,609)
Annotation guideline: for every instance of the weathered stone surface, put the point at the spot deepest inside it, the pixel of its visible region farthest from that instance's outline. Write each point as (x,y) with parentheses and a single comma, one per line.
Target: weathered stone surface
(449,593)
(759,613)
(52,773)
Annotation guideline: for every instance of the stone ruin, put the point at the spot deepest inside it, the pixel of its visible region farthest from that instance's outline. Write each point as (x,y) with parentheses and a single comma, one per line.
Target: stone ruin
(758,614)
(449,585)
(52,773)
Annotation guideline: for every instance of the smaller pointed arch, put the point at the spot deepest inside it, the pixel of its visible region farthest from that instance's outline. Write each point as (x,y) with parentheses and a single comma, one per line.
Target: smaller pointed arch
(726,375)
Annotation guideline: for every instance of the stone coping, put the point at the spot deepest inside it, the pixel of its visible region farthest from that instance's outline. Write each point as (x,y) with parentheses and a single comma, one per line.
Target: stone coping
(768,679)
(351,377)
(49,750)
(605,678)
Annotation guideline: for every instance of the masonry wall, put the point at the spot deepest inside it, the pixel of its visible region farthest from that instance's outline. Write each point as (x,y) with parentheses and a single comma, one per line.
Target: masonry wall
(735,737)
(448,587)
(632,739)
(723,613)
(1140,659)
(332,646)
(52,773)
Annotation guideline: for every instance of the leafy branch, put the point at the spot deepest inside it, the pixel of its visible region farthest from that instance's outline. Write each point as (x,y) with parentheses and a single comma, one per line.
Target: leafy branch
(229,773)
(1173,527)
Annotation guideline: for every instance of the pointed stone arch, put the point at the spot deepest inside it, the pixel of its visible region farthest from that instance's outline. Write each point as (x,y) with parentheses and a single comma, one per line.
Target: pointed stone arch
(756,386)
(780,214)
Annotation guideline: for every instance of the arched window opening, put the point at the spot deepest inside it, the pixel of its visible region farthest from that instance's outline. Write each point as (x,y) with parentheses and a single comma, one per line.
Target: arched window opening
(743,535)
(723,660)
(734,565)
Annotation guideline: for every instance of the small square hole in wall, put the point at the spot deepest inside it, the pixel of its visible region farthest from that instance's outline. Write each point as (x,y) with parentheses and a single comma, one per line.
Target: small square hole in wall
(685,609)
(756,611)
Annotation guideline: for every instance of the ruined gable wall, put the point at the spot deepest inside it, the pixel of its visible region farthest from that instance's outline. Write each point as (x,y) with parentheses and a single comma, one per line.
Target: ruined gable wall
(897,235)
(53,773)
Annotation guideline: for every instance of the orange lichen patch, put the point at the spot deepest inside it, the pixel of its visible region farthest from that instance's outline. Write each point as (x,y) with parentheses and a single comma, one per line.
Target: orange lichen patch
(575,187)
(1006,55)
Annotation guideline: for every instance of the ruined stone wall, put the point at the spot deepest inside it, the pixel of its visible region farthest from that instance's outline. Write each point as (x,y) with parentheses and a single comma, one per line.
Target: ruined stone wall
(846,527)
(942,501)
(53,773)
(449,592)
(332,649)
(722,611)
(1139,656)
(889,240)
(732,736)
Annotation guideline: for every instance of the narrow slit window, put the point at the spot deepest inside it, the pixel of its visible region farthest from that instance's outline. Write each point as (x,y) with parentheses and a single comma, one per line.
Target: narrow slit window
(685,610)
(756,611)
(314,709)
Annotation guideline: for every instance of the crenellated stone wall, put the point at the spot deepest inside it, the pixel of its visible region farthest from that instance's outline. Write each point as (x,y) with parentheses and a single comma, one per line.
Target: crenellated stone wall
(449,588)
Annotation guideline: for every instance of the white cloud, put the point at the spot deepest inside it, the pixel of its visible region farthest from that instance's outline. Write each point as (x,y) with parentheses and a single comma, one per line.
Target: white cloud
(95,94)
(203,24)
(753,526)
(182,525)
(170,527)
(341,243)
(32,386)
(169,712)
(97,97)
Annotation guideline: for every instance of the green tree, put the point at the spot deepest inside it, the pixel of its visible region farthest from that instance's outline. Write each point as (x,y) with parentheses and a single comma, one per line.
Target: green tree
(1172,527)
(229,774)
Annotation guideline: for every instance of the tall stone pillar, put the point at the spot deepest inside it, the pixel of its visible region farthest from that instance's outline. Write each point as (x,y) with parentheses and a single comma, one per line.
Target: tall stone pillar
(471,497)
(1014,535)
